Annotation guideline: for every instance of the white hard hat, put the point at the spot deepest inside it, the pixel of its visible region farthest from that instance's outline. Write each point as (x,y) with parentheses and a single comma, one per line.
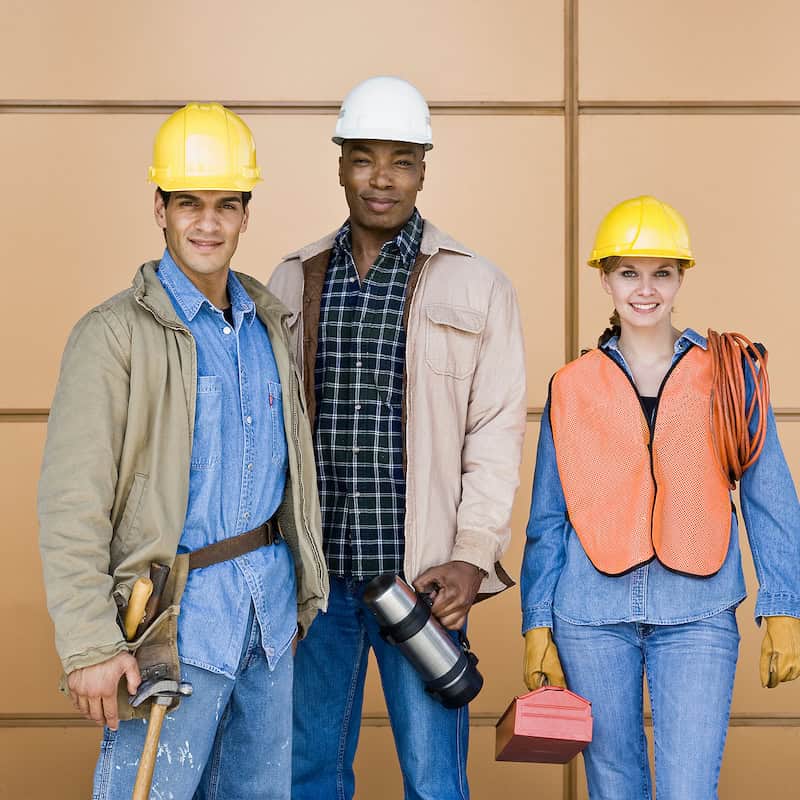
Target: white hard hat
(385,108)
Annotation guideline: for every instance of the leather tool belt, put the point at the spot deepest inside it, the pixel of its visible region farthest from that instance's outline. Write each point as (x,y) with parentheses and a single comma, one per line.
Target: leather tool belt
(235,546)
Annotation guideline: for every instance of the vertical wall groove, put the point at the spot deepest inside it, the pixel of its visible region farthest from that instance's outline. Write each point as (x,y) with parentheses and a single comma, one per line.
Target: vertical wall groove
(571,298)
(571,188)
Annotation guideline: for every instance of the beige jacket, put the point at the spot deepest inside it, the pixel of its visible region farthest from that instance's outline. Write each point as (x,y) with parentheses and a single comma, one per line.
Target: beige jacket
(464,397)
(115,478)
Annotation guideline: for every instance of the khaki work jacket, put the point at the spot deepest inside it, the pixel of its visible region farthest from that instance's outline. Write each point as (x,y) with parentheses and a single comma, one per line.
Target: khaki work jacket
(464,397)
(114,485)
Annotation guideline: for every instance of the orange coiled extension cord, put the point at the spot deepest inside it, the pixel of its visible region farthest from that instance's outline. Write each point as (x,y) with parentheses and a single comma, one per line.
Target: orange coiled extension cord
(735,448)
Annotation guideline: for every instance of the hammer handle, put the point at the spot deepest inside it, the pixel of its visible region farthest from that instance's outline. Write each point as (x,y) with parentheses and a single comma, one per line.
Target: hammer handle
(140,594)
(158,575)
(147,763)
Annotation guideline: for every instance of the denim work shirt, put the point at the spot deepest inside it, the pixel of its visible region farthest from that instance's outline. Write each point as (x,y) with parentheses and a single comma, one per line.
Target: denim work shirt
(237,481)
(558,577)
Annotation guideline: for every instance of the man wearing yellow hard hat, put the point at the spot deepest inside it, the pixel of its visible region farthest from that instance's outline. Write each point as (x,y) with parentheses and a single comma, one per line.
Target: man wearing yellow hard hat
(178,475)
(415,377)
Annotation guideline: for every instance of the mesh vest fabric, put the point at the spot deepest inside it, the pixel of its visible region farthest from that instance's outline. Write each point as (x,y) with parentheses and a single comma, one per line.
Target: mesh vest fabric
(627,499)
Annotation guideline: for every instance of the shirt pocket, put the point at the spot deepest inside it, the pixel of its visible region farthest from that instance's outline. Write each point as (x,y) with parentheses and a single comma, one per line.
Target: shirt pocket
(277,428)
(207,440)
(452,338)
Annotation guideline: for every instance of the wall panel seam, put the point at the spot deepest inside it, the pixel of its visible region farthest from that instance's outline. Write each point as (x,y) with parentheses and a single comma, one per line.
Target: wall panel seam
(478,719)
(323,107)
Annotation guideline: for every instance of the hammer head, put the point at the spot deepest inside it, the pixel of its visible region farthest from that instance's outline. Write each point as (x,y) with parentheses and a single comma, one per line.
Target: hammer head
(160,690)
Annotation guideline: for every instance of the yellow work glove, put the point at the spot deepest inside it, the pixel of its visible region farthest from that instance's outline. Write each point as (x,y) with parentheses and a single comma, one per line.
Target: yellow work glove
(780,651)
(541,666)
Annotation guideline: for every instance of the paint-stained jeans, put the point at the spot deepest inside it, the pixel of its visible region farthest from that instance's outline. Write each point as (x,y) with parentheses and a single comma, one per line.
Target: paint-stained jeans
(231,740)
(690,670)
(330,669)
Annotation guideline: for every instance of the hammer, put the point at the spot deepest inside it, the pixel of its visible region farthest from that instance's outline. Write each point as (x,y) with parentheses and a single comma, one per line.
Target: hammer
(161,692)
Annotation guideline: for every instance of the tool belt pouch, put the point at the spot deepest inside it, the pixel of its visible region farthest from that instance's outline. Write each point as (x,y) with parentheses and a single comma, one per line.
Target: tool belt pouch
(156,650)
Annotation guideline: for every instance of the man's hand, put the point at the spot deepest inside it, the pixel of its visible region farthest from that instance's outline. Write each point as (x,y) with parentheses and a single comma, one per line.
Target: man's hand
(780,651)
(454,586)
(94,689)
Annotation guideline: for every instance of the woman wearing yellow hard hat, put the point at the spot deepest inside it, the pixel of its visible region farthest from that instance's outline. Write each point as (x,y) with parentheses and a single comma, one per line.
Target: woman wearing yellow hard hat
(632,565)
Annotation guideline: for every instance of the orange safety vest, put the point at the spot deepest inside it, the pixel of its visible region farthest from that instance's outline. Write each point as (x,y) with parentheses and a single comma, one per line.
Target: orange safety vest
(632,494)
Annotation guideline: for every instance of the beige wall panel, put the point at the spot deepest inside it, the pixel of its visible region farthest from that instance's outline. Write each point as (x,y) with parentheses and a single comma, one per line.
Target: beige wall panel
(279,51)
(92,224)
(29,679)
(685,50)
(760,762)
(494,625)
(378,775)
(44,763)
(735,180)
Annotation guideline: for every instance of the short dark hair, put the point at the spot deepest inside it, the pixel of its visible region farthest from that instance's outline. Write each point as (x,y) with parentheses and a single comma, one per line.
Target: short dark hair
(166,195)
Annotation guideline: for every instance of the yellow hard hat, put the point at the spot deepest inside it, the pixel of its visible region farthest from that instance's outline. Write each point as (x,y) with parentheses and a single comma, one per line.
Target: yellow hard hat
(642,226)
(204,146)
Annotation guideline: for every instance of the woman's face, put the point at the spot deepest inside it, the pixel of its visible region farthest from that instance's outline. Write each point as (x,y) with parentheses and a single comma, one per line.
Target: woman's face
(643,290)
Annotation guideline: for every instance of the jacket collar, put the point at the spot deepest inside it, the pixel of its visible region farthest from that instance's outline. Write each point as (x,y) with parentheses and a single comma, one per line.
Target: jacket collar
(433,240)
(149,293)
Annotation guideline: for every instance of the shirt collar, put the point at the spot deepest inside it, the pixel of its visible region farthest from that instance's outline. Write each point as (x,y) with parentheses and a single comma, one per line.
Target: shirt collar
(406,242)
(190,299)
(684,342)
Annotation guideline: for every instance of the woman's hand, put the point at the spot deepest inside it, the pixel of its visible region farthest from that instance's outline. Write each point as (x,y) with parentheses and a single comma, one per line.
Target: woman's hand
(780,651)
(541,665)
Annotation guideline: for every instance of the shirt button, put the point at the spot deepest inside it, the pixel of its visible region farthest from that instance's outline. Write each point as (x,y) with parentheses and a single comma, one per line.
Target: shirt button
(352,280)
(246,515)
(226,330)
(248,419)
(250,465)
(358,363)
(356,449)
(358,406)
(356,494)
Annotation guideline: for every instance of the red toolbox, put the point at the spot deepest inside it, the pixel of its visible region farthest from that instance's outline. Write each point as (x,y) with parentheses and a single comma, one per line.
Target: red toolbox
(550,725)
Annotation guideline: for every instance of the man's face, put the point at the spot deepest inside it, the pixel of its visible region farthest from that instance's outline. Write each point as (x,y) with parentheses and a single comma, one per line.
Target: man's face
(381,181)
(202,228)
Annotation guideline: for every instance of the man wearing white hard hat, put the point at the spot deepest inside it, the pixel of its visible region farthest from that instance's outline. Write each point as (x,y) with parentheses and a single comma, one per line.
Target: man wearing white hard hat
(177,445)
(412,360)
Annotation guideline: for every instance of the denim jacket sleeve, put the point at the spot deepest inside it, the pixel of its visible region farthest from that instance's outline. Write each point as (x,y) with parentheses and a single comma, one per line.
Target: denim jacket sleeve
(545,547)
(772,518)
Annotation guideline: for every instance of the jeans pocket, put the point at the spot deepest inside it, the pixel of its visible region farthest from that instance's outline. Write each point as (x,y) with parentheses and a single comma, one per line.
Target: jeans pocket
(452,337)
(207,440)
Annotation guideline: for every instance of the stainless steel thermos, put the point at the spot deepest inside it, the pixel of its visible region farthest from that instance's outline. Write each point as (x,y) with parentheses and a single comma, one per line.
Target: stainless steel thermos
(448,669)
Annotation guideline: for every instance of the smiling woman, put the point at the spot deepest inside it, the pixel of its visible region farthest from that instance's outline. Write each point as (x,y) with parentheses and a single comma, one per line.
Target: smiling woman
(648,577)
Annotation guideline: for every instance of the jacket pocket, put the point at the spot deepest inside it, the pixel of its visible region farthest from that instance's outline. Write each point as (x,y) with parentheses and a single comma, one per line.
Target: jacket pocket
(207,441)
(129,523)
(452,338)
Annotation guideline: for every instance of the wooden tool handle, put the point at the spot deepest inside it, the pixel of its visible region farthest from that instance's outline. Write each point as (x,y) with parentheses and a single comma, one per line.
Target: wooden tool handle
(147,763)
(158,575)
(140,594)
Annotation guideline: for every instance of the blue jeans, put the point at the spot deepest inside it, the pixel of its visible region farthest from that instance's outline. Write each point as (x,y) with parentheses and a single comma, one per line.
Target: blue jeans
(690,670)
(330,668)
(230,740)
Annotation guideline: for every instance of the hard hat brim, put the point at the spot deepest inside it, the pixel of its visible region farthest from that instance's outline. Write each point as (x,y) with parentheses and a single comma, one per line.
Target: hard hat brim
(598,255)
(376,136)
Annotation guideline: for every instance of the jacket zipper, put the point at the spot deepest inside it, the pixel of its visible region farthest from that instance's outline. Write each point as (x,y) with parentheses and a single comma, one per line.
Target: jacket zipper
(651,423)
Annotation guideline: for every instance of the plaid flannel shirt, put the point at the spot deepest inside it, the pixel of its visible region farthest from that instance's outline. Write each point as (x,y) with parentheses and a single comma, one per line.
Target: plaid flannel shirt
(358,436)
